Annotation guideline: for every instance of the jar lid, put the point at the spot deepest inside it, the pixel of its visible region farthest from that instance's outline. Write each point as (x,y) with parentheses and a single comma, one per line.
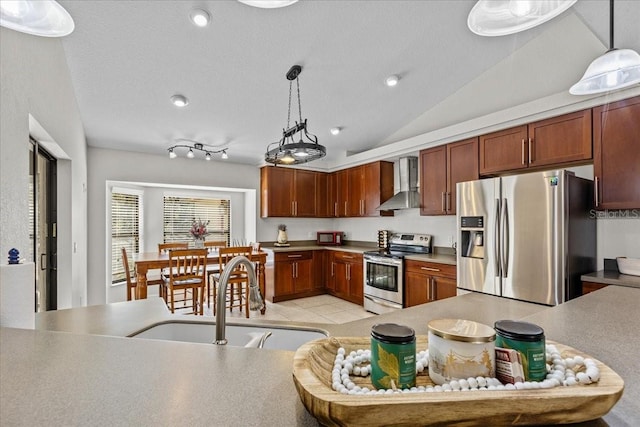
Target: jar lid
(462,330)
(392,332)
(522,331)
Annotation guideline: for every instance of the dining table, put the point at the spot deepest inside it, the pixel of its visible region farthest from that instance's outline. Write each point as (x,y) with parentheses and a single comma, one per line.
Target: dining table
(145,261)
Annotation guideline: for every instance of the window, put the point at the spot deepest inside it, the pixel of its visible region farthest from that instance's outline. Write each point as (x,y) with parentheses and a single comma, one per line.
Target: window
(125,230)
(180,212)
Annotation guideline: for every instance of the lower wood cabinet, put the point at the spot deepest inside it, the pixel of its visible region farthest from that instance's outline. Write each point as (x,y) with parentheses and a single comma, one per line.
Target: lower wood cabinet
(591,286)
(294,276)
(346,278)
(428,281)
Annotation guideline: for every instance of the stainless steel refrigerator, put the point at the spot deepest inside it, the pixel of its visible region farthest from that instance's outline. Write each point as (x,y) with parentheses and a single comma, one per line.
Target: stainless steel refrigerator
(527,237)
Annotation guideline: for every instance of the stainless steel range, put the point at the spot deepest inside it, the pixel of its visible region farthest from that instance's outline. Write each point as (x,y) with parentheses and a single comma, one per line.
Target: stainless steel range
(384,271)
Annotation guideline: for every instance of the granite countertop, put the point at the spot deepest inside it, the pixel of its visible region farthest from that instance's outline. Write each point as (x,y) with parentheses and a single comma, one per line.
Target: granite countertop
(612,278)
(436,257)
(77,378)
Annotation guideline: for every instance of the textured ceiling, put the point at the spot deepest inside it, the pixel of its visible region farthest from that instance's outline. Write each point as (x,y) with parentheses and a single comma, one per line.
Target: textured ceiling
(127,58)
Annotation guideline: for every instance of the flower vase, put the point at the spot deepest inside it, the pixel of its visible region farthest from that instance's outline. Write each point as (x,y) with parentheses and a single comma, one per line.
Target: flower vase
(282,236)
(199,243)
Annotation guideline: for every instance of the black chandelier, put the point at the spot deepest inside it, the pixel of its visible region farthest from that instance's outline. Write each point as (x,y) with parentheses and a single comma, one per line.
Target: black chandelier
(288,151)
(197,146)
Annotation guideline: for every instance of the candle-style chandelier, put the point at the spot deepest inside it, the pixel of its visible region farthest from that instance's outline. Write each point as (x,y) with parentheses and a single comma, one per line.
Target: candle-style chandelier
(208,150)
(288,151)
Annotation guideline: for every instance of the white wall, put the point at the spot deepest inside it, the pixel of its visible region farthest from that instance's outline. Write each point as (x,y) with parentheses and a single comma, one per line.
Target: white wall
(35,79)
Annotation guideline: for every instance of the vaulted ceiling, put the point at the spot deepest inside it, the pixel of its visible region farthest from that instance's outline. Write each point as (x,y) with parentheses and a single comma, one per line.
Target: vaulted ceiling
(127,58)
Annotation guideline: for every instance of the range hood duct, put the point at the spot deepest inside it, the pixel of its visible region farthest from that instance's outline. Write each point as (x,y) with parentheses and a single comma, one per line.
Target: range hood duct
(408,196)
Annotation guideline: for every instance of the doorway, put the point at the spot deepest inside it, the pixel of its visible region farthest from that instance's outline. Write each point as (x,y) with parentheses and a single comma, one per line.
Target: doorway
(43,225)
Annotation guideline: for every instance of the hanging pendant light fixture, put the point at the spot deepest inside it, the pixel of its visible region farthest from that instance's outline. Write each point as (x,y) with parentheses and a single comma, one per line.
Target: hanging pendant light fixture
(288,151)
(502,17)
(44,18)
(616,69)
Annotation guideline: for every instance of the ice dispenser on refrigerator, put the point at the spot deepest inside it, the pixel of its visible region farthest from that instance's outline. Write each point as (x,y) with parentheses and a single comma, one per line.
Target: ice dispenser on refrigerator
(472,236)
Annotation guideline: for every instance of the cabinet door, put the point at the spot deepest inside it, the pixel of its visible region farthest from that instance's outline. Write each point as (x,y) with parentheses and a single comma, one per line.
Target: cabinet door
(283,278)
(443,287)
(304,201)
(276,191)
(560,139)
(355,197)
(356,283)
(504,150)
(377,187)
(332,196)
(342,184)
(433,181)
(324,206)
(331,273)
(303,279)
(616,142)
(416,288)
(341,278)
(462,165)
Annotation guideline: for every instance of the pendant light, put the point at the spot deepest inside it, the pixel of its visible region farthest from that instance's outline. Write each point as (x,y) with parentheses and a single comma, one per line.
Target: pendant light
(44,18)
(288,151)
(502,17)
(616,69)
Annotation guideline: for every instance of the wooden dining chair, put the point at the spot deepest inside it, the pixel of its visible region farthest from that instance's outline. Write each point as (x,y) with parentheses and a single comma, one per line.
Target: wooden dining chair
(212,245)
(187,271)
(132,283)
(162,249)
(238,285)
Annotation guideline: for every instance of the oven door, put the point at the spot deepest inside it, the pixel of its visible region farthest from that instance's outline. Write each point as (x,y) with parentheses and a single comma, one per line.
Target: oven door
(383,279)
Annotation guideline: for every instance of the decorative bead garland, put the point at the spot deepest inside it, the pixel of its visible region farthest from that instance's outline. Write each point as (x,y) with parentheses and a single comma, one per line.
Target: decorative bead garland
(560,372)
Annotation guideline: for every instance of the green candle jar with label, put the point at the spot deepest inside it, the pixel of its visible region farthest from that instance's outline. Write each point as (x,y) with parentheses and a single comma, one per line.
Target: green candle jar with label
(393,356)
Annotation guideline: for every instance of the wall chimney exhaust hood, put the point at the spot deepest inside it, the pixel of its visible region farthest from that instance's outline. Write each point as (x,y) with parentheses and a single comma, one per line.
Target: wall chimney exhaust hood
(408,196)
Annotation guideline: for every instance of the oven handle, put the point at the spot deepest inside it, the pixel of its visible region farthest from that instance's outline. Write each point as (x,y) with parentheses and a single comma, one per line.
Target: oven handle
(382,260)
(382,302)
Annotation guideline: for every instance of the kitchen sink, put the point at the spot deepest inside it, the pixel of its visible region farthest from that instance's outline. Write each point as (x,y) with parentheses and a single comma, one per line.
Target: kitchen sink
(280,337)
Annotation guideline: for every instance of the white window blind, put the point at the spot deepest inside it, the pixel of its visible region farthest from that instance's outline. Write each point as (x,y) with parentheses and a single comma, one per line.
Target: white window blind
(125,231)
(180,212)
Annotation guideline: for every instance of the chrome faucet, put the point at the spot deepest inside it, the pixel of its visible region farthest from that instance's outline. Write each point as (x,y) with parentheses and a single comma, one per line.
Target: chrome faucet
(255,299)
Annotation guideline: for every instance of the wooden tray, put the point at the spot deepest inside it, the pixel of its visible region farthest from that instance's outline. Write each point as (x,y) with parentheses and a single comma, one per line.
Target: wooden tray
(313,363)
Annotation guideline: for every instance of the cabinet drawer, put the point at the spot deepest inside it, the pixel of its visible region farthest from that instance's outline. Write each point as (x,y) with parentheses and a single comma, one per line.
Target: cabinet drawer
(293,256)
(347,256)
(430,268)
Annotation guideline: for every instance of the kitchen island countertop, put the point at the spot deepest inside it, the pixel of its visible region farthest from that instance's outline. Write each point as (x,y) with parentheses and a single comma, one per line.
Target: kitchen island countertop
(77,378)
(612,278)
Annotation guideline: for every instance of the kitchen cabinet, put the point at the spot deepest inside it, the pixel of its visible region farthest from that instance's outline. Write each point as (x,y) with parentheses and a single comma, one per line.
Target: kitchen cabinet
(616,141)
(287,192)
(293,277)
(591,287)
(346,278)
(441,168)
(428,281)
(358,191)
(558,141)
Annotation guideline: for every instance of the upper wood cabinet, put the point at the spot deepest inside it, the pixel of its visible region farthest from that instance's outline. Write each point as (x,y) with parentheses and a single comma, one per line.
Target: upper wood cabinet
(616,142)
(441,168)
(286,192)
(557,141)
(358,191)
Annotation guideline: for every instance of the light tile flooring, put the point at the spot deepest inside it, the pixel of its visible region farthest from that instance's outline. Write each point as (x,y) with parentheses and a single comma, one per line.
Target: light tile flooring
(318,309)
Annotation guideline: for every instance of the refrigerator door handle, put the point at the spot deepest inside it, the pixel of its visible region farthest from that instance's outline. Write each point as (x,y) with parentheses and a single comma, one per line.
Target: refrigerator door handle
(496,239)
(505,238)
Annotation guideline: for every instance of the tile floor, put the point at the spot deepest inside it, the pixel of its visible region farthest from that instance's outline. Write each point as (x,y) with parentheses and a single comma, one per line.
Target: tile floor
(318,309)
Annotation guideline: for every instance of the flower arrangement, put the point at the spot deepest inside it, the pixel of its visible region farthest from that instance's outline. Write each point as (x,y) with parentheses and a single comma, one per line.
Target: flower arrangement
(199,229)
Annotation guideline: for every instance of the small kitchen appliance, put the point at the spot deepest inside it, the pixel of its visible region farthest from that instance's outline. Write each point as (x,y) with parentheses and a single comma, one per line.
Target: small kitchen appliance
(329,238)
(384,271)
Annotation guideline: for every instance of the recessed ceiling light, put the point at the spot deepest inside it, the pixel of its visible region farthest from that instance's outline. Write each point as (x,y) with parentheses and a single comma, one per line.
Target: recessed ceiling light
(268,4)
(392,80)
(200,17)
(334,131)
(179,100)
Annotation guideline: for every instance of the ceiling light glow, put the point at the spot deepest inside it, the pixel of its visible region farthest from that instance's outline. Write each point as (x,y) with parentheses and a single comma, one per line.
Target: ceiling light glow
(335,131)
(200,17)
(392,80)
(268,4)
(44,18)
(179,101)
